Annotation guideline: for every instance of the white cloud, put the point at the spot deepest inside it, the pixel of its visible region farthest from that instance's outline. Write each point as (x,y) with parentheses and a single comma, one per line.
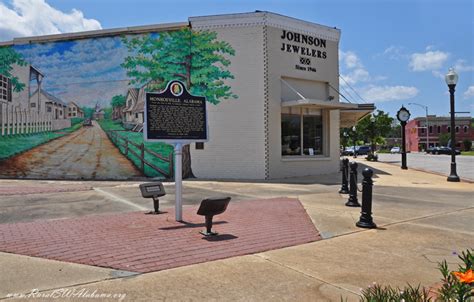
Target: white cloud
(461,66)
(356,71)
(389,93)
(350,59)
(36,17)
(430,60)
(438,74)
(394,52)
(469,93)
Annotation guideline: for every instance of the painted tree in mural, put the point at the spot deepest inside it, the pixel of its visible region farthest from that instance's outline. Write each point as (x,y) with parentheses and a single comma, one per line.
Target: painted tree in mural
(196,58)
(8,57)
(118,101)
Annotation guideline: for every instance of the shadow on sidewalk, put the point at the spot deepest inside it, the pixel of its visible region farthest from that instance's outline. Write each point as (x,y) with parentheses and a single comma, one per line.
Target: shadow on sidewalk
(186,225)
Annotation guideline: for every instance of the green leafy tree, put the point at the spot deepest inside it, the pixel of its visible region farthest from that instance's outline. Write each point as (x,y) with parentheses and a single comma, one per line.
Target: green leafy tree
(196,58)
(88,112)
(118,101)
(375,128)
(467,144)
(9,57)
(108,113)
(444,139)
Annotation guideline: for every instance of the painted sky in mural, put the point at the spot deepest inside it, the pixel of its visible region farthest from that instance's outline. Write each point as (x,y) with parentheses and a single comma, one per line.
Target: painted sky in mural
(84,71)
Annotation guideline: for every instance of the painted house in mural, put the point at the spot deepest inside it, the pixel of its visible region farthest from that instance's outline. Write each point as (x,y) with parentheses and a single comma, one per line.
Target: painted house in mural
(53,107)
(130,103)
(271,82)
(22,109)
(73,110)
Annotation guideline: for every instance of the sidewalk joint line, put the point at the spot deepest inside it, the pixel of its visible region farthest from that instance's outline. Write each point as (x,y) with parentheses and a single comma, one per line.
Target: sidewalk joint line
(305,274)
(428,216)
(120,199)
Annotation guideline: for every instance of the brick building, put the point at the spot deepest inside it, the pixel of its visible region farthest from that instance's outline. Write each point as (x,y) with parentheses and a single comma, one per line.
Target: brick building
(437,125)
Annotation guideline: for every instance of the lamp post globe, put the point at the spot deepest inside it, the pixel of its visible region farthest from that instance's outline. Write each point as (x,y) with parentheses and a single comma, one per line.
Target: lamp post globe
(354,138)
(451,80)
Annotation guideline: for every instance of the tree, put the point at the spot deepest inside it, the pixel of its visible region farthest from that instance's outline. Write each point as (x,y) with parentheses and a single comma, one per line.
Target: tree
(108,113)
(118,101)
(88,112)
(9,57)
(467,144)
(196,58)
(444,139)
(375,129)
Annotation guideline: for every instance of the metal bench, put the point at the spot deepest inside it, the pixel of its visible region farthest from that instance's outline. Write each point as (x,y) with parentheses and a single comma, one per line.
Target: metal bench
(209,208)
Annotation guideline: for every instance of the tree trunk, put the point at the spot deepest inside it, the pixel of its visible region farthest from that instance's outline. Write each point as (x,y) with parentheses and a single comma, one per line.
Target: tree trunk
(187,170)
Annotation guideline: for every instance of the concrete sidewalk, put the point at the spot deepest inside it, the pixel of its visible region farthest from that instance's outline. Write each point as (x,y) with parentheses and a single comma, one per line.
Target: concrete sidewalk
(422,219)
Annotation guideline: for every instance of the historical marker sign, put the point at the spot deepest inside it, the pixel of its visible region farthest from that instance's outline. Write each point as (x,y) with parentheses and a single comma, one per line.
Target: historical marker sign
(175,116)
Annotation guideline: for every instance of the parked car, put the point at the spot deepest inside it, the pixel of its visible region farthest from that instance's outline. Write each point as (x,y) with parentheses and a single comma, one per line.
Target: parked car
(360,150)
(87,122)
(441,150)
(348,151)
(363,150)
(395,150)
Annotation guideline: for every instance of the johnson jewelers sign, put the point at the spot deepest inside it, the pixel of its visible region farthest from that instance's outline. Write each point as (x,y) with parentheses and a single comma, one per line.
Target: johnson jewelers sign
(175,115)
(308,47)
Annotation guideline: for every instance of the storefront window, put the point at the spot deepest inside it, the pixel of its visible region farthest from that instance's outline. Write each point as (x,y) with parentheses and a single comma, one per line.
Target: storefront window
(291,133)
(302,131)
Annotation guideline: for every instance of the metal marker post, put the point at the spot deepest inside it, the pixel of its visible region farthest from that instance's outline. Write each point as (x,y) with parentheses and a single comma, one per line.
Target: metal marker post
(178,180)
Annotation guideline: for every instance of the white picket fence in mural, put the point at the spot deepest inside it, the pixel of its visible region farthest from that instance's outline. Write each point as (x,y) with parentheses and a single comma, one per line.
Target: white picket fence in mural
(16,121)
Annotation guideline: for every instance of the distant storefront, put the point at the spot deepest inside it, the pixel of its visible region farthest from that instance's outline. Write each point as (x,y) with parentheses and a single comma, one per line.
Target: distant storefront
(422,131)
(271,84)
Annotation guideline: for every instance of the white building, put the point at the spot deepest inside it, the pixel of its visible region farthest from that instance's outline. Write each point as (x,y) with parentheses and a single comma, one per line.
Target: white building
(287,117)
(73,110)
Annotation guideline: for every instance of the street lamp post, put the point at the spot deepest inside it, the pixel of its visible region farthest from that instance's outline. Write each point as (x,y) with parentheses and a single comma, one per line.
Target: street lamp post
(344,142)
(452,79)
(354,138)
(427,126)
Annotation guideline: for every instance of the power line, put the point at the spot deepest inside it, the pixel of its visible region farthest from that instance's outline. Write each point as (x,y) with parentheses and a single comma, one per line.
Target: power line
(339,93)
(353,89)
(347,93)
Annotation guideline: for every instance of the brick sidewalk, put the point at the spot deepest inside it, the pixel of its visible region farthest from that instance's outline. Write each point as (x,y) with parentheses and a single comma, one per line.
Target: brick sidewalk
(145,243)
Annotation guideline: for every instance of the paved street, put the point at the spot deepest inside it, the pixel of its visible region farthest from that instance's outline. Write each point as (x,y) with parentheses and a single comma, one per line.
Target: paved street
(434,163)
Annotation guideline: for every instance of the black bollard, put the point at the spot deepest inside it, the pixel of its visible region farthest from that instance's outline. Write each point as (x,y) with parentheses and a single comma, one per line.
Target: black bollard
(352,201)
(365,220)
(345,170)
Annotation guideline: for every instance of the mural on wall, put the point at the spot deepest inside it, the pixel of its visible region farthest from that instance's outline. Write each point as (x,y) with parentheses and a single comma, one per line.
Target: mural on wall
(74,109)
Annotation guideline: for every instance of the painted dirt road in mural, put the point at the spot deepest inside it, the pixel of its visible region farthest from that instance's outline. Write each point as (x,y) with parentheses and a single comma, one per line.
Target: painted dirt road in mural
(84,154)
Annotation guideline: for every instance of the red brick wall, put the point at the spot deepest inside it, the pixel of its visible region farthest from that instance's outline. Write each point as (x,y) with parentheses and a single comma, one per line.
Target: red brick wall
(416,134)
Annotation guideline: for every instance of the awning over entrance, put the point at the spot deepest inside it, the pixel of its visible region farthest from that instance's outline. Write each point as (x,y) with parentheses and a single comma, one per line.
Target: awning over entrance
(303,93)
(318,103)
(315,94)
(350,117)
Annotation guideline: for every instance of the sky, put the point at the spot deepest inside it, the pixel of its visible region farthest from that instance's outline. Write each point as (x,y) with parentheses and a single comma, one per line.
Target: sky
(391,53)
